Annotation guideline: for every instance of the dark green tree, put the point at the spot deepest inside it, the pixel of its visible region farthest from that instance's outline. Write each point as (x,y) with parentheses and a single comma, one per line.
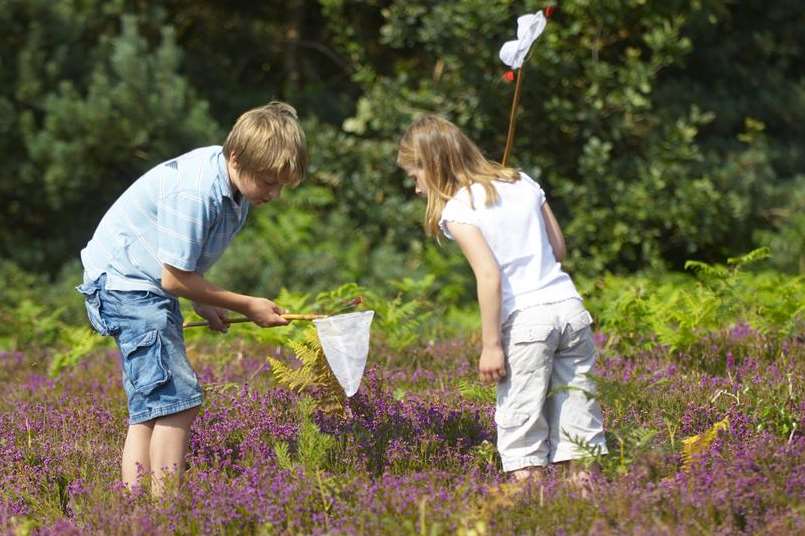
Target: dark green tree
(89,105)
(628,159)
(661,131)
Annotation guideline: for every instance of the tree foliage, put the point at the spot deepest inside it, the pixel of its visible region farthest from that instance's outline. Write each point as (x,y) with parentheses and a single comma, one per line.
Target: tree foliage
(661,131)
(92,105)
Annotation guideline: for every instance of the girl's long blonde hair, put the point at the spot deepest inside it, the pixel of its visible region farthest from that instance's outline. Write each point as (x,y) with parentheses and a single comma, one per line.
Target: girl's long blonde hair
(449,161)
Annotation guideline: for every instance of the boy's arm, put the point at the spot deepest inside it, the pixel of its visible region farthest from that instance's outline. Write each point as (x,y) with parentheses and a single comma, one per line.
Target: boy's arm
(193,286)
(492,365)
(555,236)
(215,316)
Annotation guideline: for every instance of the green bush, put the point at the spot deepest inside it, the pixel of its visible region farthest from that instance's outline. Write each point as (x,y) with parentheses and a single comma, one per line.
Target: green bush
(677,310)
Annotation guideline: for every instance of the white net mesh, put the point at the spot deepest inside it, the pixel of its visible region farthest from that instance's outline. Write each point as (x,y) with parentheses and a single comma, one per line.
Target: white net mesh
(345,341)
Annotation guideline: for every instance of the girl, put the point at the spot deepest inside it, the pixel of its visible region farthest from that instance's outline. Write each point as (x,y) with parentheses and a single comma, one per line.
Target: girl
(537,340)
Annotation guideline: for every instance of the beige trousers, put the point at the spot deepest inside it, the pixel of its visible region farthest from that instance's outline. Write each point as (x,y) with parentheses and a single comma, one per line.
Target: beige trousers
(546,397)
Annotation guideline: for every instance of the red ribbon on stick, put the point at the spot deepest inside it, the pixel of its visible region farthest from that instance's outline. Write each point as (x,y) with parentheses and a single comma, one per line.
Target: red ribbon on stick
(548,12)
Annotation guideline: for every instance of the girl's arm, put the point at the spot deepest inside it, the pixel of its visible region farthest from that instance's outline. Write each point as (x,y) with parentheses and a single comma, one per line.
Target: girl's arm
(492,365)
(555,236)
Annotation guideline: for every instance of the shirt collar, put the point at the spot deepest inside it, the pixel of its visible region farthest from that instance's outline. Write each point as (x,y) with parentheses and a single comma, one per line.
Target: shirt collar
(226,185)
(223,177)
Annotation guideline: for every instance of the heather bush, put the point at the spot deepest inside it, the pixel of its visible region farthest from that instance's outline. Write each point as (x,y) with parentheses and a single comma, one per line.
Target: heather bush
(413,450)
(703,413)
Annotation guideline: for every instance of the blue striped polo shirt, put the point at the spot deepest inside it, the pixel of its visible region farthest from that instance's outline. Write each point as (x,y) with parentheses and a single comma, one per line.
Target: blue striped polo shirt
(182,212)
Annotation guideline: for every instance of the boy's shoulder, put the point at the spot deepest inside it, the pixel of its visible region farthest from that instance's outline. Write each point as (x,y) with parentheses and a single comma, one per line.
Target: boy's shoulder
(202,171)
(200,163)
(199,154)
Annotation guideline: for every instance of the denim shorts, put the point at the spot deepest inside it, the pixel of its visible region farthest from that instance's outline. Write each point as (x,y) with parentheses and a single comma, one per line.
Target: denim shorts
(147,327)
(545,404)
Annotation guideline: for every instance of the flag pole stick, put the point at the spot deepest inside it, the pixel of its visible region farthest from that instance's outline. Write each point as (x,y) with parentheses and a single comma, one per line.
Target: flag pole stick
(513,117)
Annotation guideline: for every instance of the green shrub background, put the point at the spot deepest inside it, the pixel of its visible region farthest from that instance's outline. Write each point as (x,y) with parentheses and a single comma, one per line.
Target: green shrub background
(661,131)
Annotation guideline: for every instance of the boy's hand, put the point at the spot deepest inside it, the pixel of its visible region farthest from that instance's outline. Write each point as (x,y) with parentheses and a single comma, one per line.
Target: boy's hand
(216,316)
(492,365)
(265,313)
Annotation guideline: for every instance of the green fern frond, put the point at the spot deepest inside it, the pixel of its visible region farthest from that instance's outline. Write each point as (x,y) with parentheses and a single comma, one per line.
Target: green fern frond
(477,392)
(332,301)
(283,455)
(313,448)
(311,339)
(283,374)
(714,271)
(756,255)
(695,445)
(590,453)
(78,343)
(313,375)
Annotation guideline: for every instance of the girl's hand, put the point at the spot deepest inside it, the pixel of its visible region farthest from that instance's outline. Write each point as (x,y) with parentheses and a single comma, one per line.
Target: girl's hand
(492,365)
(216,316)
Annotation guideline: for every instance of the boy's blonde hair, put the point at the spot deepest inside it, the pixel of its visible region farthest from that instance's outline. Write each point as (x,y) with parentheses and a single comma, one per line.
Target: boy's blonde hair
(269,140)
(449,161)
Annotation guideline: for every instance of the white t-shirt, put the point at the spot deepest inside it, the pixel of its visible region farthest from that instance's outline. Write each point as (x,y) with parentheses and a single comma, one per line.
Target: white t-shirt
(515,231)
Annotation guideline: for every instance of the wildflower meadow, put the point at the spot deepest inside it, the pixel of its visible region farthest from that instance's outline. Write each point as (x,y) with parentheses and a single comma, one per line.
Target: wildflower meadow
(666,136)
(704,426)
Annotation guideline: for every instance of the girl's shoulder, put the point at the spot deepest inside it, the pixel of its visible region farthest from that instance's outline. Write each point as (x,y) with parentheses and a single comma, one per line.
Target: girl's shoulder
(522,186)
(477,192)
(464,193)
(473,195)
(525,178)
(533,188)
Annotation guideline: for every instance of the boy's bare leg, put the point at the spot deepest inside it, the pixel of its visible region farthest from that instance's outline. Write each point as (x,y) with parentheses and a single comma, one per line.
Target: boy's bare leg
(136,460)
(169,444)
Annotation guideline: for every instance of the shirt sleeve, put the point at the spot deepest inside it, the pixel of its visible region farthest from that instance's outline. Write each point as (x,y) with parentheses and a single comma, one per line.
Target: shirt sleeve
(533,184)
(457,211)
(183,220)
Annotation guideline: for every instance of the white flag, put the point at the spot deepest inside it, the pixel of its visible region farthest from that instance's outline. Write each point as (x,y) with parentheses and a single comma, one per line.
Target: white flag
(529,27)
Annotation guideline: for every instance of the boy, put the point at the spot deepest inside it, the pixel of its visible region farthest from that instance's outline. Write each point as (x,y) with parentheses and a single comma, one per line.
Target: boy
(154,245)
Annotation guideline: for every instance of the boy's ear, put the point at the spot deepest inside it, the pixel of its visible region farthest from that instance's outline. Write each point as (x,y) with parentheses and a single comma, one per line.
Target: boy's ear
(233,160)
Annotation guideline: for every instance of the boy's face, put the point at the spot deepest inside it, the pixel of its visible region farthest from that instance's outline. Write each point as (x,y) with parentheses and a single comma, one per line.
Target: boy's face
(260,190)
(256,190)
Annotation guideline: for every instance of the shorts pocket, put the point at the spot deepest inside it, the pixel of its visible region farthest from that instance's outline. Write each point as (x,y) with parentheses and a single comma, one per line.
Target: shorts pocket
(510,419)
(132,296)
(578,336)
(580,321)
(528,334)
(92,302)
(529,349)
(142,361)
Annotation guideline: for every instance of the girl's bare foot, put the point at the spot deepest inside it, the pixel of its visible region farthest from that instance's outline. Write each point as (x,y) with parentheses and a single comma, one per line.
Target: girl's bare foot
(580,479)
(533,474)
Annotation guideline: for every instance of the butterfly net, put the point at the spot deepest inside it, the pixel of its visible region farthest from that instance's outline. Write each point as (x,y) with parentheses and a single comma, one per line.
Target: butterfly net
(345,341)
